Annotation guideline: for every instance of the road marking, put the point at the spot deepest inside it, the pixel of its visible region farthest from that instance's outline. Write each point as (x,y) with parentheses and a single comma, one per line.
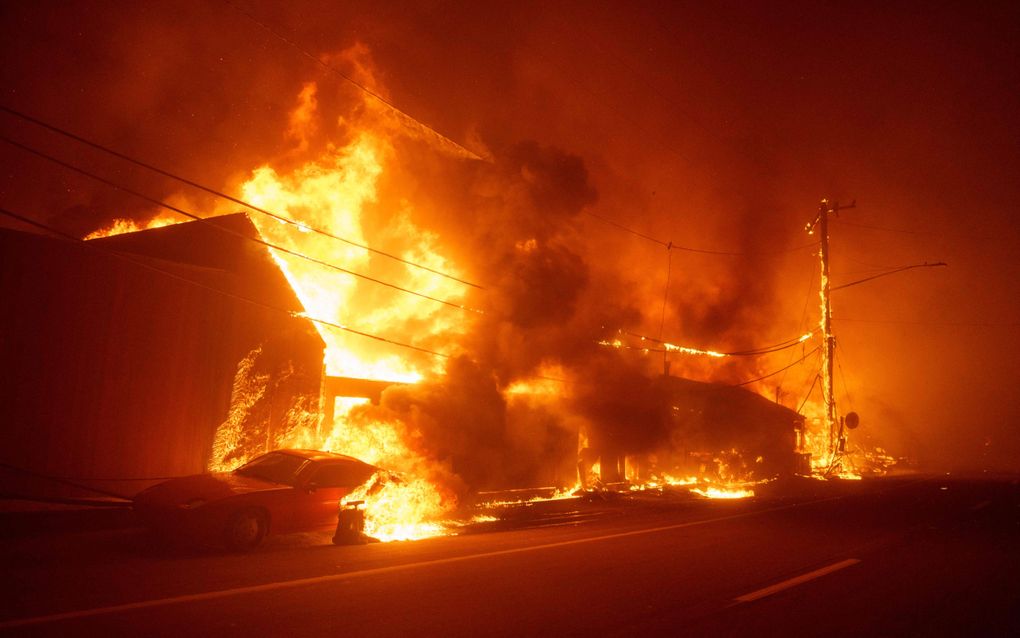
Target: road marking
(980,506)
(316,580)
(796,580)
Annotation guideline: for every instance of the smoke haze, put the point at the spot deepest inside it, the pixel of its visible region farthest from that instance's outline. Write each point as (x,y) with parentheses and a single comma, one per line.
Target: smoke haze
(716,127)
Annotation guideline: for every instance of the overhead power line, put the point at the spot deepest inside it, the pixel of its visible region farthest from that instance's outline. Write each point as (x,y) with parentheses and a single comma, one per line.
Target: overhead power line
(804,315)
(670,347)
(198,284)
(814,382)
(772,374)
(890,272)
(842,375)
(280,218)
(669,245)
(619,226)
(976,324)
(905,231)
(209,222)
(369,92)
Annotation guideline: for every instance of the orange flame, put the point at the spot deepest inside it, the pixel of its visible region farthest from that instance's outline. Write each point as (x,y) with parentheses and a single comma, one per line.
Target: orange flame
(331,193)
(121,226)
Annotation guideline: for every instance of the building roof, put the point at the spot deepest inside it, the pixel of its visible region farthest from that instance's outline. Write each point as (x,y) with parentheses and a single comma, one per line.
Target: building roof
(217,252)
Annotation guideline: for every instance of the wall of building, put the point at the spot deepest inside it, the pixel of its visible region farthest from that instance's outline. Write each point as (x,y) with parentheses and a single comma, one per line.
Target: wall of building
(114,369)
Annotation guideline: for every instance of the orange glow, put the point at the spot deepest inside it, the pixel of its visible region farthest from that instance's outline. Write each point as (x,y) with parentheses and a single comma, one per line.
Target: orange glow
(723,493)
(701,486)
(549,385)
(330,193)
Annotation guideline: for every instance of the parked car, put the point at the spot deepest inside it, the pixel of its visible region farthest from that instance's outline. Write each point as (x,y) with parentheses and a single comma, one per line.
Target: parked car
(279,492)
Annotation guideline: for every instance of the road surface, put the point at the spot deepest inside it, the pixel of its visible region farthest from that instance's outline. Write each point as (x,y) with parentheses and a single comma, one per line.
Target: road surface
(926,556)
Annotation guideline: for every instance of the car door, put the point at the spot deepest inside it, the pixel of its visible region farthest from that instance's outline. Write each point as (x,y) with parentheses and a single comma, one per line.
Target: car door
(329,482)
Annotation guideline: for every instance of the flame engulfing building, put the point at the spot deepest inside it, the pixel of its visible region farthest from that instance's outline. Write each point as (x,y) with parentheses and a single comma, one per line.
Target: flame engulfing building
(121,355)
(681,427)
(151,353)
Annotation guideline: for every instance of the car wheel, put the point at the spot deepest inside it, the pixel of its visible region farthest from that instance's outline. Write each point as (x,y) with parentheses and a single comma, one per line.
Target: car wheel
(245,530)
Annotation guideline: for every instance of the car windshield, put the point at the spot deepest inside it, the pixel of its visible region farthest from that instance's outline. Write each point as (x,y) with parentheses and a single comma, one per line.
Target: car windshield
(274,467)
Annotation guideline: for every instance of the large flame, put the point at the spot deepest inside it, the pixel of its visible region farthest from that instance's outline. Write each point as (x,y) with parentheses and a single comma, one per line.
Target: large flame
(330,194)
(325,198)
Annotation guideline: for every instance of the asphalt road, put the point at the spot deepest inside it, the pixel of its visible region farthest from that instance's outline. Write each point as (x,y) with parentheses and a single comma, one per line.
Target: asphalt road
(937,556)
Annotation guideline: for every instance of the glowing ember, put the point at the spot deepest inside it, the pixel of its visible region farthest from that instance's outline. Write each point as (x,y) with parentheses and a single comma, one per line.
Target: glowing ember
(724,493)
(558,494)
(668,347)
(685,350)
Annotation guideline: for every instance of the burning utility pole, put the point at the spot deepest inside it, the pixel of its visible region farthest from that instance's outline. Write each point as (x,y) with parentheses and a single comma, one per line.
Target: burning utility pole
(837,442)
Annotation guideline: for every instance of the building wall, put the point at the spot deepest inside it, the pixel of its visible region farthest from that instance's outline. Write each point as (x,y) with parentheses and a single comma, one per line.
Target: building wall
(111,369)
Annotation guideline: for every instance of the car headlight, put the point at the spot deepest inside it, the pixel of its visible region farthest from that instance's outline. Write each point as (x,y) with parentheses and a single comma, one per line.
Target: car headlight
(193,503)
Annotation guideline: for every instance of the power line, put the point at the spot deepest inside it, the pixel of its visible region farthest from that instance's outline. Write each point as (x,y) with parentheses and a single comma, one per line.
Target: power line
(198,284)
(669,245)
(308,54)
(930,233)
(886,228)
(280,218)
(208,222)
(842,376)
(803,314)
(659,139)
(670,347)
(890,272)
(665,290)
(789,343)
(771,374)
(814,382)
(978,324)
(606,220)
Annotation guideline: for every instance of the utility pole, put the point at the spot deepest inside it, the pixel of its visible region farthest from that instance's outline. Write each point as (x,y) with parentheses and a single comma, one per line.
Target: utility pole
(837,443)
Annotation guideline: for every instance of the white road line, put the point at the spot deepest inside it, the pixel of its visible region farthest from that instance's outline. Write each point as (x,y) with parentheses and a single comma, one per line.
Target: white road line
(796,580)
(980,506)
(332,578)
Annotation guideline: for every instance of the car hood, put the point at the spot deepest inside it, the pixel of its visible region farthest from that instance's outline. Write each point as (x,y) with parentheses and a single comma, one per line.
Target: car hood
(205,487)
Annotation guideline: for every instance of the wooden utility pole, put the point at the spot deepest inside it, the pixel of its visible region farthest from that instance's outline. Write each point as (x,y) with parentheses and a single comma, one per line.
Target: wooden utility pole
(836,442)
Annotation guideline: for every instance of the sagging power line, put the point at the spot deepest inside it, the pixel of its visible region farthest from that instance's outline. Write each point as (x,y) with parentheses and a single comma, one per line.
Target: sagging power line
(183,180)
(208,221)
(890,272)
(670,245)
(749,352)
(783,369)
(151,267)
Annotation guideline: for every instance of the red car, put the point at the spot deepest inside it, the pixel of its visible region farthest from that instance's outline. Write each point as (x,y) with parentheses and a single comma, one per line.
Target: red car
(282,491)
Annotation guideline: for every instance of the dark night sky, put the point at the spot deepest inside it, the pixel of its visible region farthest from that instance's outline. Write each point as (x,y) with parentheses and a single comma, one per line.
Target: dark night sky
(714,125)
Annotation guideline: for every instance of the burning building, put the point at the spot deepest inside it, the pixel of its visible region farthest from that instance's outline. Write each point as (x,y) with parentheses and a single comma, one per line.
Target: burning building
(429,312)
(122,355)
(671,426)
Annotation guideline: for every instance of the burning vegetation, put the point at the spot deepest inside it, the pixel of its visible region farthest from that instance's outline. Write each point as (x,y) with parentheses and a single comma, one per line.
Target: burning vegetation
(460,287)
